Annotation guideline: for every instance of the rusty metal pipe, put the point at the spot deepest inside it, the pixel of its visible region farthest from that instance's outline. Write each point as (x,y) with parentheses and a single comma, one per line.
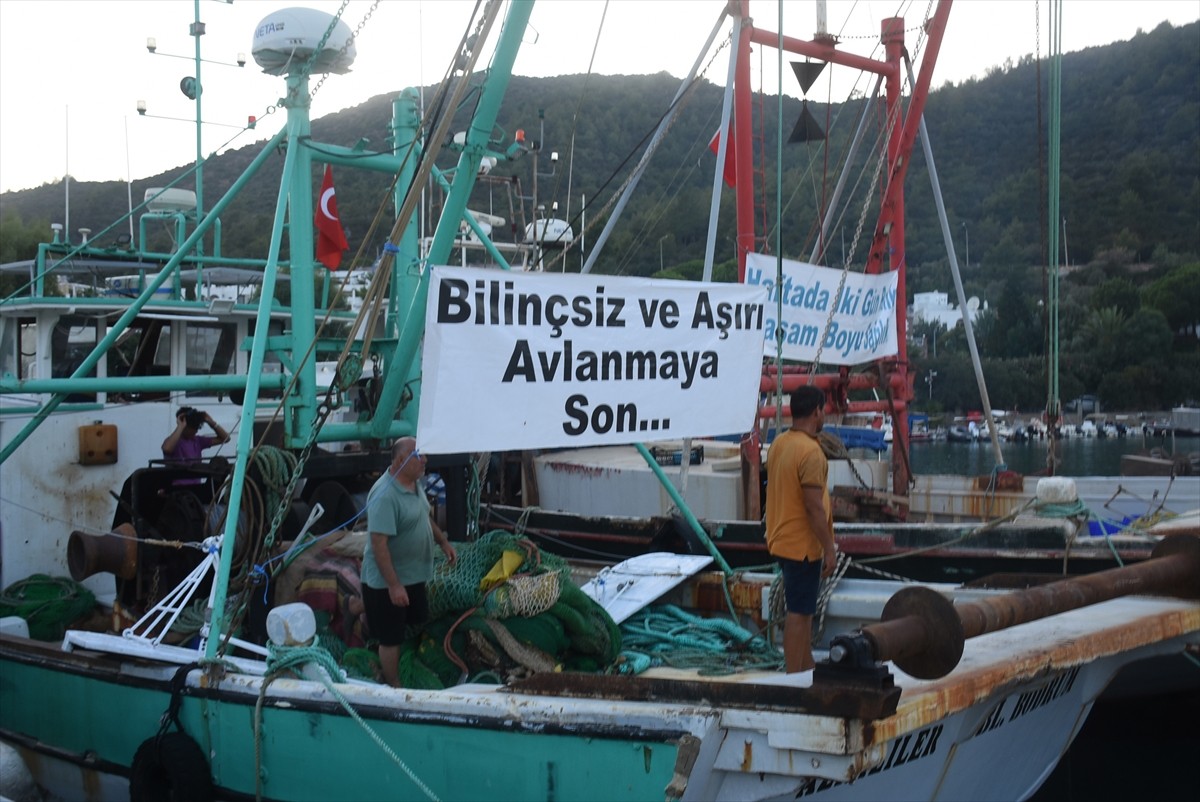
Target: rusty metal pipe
(923,632)
(1167,575)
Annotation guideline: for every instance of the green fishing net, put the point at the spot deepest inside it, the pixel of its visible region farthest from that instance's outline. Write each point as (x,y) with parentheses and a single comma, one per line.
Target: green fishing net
(533,619)
(49,604)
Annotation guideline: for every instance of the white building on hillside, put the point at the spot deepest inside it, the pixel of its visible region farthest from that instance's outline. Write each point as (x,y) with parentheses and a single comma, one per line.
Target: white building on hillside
(936,306)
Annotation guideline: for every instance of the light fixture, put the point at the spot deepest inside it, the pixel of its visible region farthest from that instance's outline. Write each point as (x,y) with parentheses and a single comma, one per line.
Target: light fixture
(190,87)
(220,306)
(152,46)
(251,120)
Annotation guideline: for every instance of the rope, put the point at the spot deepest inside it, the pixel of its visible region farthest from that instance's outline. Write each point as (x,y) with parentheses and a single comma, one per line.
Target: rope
(777,603)
(833,448)
(1081,514)
(666,635)
(964,536)
(290,658)
(826,593)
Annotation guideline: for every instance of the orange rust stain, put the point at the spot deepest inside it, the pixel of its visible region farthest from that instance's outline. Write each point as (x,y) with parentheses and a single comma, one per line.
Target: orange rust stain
(747,755)
(709,596)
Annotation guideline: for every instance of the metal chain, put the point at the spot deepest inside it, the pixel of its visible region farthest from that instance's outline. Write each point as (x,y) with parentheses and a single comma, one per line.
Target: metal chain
(154,583)
(346,46)
(848,38)
(1037,29)
(285,500)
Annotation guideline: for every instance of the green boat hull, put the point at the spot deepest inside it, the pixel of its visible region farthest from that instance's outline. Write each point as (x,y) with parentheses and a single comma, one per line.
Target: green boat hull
(97,718)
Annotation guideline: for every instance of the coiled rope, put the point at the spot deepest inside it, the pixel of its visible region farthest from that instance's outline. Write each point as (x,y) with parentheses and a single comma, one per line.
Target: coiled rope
(665,635)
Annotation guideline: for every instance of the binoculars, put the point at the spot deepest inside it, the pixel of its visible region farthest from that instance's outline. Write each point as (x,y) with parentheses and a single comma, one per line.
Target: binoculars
(193,416)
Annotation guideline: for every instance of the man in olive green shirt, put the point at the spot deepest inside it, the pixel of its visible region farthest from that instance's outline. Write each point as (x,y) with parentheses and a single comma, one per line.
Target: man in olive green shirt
(398,558)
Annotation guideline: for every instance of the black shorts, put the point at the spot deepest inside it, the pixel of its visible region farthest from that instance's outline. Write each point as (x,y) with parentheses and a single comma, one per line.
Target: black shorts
(801,582)
(387,622)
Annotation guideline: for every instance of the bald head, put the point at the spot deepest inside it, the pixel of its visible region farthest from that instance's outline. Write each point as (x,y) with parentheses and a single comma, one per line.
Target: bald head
(402,448)
(408,464)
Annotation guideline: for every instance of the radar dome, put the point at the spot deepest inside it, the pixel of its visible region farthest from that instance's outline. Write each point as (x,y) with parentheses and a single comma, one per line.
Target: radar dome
(286,39)
(549,232)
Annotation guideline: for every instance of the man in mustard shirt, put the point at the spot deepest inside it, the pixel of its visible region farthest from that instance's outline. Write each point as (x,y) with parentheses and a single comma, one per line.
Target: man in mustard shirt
(800,521)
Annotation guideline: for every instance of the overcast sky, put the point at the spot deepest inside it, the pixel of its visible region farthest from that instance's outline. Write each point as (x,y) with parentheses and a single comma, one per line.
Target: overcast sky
(72,71)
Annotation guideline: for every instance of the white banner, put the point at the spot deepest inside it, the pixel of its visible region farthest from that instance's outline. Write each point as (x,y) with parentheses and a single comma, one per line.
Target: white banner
(541,360)
(863,328)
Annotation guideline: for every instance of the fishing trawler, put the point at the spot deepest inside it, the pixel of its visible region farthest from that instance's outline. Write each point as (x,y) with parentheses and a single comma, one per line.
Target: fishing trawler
(927,691)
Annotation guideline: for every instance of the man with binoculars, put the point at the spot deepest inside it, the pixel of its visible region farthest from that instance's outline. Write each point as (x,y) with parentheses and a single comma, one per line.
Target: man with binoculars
(186,444)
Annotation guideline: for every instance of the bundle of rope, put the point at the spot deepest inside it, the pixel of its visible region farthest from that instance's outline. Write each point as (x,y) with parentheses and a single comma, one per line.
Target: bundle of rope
(49,604)
(506,610)
(664,635)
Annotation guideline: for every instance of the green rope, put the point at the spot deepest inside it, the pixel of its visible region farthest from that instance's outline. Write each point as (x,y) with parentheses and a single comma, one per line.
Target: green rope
(666,635)
(285,658)
(1081,512)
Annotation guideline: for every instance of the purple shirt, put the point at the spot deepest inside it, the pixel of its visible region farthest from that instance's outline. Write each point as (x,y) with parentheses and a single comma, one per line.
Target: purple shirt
(189,449)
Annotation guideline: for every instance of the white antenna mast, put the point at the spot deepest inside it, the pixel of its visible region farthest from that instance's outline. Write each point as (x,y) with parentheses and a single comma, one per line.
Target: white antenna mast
(128,181)
(67,170)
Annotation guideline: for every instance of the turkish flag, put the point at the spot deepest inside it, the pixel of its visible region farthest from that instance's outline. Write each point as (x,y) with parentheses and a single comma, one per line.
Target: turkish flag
(331,240)
(730,171)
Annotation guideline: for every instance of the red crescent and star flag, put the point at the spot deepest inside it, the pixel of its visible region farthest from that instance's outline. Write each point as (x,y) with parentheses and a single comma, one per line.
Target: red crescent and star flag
(730,171)
(331,240)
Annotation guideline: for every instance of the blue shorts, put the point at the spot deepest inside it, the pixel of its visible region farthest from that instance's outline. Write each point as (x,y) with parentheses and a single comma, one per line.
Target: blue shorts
(387,622)
(801,582)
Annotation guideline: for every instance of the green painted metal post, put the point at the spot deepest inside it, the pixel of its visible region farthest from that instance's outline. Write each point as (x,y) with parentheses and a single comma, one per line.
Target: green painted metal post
(669,486)
(478,136)
(245,443)
(299,190)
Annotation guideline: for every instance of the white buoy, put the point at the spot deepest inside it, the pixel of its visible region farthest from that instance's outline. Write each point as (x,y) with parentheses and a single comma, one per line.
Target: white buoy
(292,625)
(1057,490)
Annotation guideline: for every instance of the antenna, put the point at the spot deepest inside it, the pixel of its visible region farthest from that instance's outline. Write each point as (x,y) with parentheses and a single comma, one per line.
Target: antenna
(128,180)
(67,170)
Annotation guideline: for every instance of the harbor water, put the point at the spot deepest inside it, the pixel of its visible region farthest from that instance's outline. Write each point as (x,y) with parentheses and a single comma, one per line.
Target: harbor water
(1077,456)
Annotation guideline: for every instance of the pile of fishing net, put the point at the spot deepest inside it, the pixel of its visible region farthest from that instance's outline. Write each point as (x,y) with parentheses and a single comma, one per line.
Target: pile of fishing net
(504,611)
(49,604)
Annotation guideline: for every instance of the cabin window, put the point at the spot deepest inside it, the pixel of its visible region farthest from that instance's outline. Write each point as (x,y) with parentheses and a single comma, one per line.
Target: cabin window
(73,338)
(210,349)
(18,346)
(271,364)
(143,349)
